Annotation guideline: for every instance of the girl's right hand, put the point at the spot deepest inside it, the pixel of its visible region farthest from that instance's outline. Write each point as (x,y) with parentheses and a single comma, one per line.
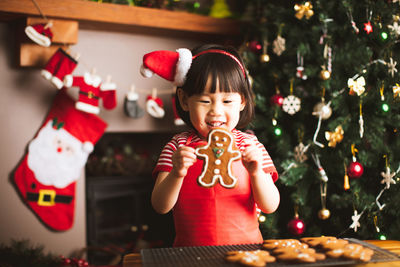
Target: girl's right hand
(182,159)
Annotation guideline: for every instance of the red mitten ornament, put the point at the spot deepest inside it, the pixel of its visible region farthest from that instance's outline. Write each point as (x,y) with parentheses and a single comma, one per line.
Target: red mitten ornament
(47,175)
(59,65)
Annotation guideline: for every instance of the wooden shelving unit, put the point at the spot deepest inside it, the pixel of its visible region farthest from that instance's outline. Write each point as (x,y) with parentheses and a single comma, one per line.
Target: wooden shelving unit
(105,16)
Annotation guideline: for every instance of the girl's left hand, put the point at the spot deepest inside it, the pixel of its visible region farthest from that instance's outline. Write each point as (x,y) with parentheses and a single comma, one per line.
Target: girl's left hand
(251,158)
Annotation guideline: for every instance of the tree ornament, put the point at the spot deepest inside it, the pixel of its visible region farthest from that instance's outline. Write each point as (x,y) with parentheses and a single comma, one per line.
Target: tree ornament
(300,68)
(346,183)
(356,220)
(322,110)
(355,169)
(396,91)
(334,137)
(300,152)
(368,27)
(296,226)
(254,46)
(324,214)
(388,177)
(304,10)
(264,57)
(220,9)
(395,28)
(356,86)
(391,66)
(353,24)
(277,99)
(291,104)
(324,74)
(323,176)
(279,45)
(361,121)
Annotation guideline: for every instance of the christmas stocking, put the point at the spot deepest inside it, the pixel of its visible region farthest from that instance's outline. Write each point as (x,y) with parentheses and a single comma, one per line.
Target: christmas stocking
(155,106)
(47,175)
(58,66)
(108,94)
(131,106)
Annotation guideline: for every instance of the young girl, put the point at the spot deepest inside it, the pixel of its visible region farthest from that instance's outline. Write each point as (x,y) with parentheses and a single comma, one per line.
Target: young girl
(213,92)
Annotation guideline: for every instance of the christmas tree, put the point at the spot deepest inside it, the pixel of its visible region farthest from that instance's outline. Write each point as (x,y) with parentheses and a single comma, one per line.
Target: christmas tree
(328,111)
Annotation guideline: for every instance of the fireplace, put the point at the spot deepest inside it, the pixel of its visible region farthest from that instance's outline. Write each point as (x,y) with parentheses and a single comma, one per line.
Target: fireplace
(120,218)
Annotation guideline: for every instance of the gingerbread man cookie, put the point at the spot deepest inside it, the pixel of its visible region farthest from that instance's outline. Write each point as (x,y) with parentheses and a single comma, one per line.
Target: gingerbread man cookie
(256,258)
(218,155)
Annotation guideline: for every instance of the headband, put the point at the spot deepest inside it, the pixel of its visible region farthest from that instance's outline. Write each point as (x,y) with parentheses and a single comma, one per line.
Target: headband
(223,52)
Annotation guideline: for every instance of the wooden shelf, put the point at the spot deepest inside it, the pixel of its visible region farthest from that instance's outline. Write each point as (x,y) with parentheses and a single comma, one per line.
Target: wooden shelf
(105,16)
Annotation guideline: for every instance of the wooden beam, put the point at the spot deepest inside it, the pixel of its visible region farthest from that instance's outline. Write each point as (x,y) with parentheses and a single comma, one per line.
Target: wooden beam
(123,15)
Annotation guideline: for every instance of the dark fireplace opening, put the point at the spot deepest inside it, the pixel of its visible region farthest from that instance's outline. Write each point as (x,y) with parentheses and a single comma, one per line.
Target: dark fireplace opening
(119,216)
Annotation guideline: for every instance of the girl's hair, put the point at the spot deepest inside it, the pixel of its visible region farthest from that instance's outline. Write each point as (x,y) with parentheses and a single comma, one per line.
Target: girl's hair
(224,71)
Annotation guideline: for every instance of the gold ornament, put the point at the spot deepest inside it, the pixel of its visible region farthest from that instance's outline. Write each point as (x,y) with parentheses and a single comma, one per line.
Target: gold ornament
(356,86)
(322,109)
(324,214)
(396,90)
(334,137)
(264,58)
(325,74)
(304,10)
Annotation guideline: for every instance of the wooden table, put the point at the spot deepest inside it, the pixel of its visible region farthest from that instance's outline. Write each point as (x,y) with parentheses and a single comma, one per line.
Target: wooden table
(134,259)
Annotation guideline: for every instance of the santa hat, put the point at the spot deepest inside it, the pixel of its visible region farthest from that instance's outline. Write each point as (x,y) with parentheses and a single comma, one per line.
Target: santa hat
(40,33)
(66,116)
(170,65)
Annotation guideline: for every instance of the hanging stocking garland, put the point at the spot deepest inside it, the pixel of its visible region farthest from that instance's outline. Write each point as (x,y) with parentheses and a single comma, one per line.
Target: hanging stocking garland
(47,175)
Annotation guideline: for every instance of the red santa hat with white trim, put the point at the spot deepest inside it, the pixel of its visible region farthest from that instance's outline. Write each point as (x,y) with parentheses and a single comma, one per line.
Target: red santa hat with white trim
(40,33)
(170,65)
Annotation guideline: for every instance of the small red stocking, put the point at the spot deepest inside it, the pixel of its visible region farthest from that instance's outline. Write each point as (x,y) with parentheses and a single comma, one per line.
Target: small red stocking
(155,106)
(58,66)
(108,94)
(177,120)
(47,175)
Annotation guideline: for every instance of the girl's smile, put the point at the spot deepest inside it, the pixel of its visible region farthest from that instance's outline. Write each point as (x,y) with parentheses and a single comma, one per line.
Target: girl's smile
(213,110)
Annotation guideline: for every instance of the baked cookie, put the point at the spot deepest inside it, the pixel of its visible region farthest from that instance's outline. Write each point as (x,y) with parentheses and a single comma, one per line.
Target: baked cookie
(218,155)
(257,258)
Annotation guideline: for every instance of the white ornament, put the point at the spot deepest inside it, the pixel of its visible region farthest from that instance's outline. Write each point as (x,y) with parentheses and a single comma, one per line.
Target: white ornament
(300,152)
(380,206)
(357,86)
(395,28)
(291,104)
(279,45)
(355,218)
(388,178)
(391,66)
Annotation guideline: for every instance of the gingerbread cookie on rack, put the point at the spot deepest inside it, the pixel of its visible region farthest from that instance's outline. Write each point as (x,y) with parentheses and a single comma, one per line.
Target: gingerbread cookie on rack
(218,156)
(258,258)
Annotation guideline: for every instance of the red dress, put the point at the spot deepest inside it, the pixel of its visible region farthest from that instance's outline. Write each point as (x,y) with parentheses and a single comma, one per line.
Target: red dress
(216,215)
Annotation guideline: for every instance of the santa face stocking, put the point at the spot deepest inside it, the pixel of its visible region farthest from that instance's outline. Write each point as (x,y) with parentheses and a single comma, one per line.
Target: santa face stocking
(58,66)
(46,177)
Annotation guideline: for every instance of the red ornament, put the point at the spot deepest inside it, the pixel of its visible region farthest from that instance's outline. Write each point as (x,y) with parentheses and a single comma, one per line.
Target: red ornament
(296,226)
(255,46)
(355,169)
(368,27)
(277,100)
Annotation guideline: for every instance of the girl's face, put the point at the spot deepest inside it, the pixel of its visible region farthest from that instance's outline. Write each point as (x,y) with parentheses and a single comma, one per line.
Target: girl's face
(212,110)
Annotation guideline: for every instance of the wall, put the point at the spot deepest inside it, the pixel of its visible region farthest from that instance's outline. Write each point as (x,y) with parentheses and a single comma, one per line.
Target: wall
(26,98)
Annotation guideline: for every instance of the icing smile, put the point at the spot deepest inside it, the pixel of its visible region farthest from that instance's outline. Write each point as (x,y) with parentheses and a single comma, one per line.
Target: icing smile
(215,123)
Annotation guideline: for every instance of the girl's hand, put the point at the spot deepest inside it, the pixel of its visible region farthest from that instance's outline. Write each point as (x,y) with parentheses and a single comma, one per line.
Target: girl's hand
(182,159)
(251,158)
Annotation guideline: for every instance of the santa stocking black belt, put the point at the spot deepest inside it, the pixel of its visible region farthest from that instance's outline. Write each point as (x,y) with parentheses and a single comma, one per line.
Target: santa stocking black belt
(48,198)
(89,94)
